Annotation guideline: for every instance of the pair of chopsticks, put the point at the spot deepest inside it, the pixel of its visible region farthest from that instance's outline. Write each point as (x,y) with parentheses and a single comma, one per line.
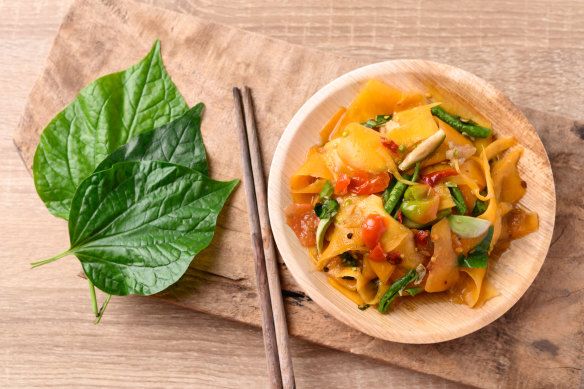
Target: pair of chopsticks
(270,297)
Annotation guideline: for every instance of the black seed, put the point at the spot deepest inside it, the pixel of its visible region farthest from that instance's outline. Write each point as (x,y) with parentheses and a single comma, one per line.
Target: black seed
(349,235)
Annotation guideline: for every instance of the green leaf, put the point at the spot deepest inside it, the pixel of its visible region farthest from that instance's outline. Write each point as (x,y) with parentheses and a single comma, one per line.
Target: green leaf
(458,199)
(379,121)
(328,210)
(477,257)
(177,142)
(105,115)
(480,207)
(326,191)
(137,226)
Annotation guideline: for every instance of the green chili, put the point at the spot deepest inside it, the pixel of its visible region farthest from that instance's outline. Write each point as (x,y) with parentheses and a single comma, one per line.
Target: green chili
(469,128)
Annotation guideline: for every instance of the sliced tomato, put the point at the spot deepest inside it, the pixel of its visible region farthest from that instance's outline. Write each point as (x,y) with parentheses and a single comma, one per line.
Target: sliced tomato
(303,221)
(363,183)
(372,230)
(377,254)
(342,185)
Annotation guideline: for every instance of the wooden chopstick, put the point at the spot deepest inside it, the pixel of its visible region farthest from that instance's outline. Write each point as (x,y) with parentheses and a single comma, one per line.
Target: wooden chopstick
(269,246)
(268,329)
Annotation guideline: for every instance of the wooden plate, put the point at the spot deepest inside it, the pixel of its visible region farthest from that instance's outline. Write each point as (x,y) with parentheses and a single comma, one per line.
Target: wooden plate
(428,318)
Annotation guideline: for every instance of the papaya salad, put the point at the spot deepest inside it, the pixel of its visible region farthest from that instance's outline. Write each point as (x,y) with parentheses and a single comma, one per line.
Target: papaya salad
(408,194)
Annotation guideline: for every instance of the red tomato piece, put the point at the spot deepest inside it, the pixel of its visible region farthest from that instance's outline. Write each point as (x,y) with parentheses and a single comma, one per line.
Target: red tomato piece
(391,145)
(303,221)
(342,184)
(377,254)
(363,183)
(372,230)
(435,177)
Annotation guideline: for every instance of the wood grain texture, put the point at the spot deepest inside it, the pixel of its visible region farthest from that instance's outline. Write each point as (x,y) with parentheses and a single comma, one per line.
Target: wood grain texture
(429,318)
(530,50)
(69,343)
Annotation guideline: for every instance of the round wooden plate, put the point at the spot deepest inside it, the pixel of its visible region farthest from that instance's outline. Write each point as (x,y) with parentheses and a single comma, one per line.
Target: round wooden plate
(429,318)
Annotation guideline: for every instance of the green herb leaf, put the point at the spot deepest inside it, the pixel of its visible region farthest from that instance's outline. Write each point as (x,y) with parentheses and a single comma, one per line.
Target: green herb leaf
(363,307)
(105,115)
(347,260)
(480,207)
(478,256)
(379,121)
(394,290)
(413,291)
(458,199)
(137,226)
(326,191)
(177,142)
(327,210)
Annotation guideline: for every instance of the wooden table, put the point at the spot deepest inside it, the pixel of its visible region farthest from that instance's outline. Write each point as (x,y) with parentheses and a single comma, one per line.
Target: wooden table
(532,51)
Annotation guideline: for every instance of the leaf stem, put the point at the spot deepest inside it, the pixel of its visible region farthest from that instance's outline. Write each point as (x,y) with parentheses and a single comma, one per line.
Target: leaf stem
(49,260)
(93,298)
(103,307)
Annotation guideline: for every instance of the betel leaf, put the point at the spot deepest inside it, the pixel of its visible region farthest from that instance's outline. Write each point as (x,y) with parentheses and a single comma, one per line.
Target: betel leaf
(137,226)
(105,115)
(178,142)
(477,257)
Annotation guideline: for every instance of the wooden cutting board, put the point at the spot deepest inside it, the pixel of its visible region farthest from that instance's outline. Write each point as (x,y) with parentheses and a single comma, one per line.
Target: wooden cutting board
(538,343)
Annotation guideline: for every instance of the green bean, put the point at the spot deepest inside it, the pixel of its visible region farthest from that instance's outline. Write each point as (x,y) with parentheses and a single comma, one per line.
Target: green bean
(458,200)
(455,122)
(395,194)
(416,172)
(394,289)
(387,191)
(392,199)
